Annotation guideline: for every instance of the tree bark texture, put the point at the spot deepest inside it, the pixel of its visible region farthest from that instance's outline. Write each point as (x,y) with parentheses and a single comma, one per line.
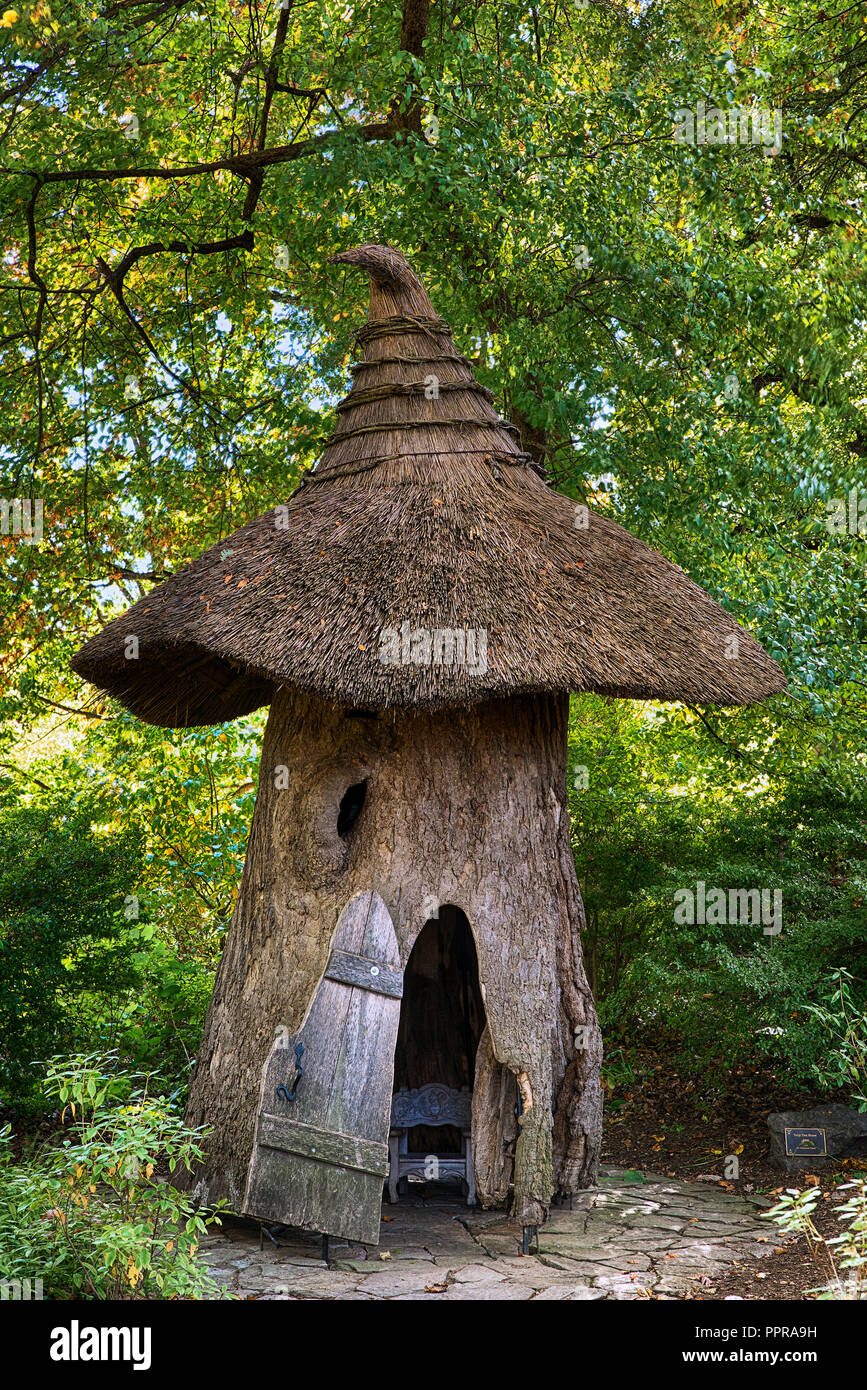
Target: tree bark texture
(464,807)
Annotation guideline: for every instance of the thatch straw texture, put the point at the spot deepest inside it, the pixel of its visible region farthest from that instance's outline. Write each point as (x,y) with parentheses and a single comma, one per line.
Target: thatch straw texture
(423,563)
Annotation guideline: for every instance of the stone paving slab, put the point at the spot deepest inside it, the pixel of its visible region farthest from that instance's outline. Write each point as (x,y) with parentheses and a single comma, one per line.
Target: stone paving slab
(622,1240)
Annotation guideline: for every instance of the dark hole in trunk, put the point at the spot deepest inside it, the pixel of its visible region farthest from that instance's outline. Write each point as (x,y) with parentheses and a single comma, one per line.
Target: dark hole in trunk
(442,1018)
(351,807)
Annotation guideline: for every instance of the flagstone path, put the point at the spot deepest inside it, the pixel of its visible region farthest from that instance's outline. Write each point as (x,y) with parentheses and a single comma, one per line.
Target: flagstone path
(626,1239)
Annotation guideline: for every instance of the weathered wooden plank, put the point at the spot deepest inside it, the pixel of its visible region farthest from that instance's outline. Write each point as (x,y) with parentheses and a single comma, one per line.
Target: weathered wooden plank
(350,969)
(323,1145)
(349,1036)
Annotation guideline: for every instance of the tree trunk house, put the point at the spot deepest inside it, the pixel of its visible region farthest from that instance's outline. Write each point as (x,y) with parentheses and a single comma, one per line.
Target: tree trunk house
(415,615)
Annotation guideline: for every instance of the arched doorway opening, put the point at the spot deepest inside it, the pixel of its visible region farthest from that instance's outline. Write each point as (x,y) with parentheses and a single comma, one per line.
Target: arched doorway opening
(442,1018)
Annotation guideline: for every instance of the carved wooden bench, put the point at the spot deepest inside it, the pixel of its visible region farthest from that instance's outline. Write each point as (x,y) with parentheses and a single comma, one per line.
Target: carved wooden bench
(430,1105)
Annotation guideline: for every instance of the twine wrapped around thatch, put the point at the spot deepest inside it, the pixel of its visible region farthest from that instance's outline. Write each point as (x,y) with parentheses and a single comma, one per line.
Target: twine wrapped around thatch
(423,563)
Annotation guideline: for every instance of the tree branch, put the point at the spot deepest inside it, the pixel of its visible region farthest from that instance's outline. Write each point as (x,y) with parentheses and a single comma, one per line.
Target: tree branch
(114,278)
(68,709)
(241,164)
(731,747)
(23,772)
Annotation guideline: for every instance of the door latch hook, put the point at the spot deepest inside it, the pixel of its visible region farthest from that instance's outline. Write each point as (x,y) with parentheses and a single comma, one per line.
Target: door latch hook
(284,1091)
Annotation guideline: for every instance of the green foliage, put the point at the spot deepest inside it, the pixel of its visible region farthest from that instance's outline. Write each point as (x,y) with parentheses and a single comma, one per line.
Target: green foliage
(162,1026)
(64,946)
(189,796)
(89,1214)
(659,815)
(843,1061)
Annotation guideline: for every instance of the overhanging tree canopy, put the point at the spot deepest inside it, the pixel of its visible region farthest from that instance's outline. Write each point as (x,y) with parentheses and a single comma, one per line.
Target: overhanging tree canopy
(554,137)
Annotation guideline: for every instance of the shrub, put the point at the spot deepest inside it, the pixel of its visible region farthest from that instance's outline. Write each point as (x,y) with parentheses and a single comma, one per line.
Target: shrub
(844,1256)
(89,1214)
(844,1063)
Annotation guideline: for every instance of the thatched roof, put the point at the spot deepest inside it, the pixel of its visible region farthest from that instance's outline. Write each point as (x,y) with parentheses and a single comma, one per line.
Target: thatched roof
(422,517)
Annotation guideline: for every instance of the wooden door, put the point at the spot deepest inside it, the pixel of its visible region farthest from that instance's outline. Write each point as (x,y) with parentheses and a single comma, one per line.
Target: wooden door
(319,1161)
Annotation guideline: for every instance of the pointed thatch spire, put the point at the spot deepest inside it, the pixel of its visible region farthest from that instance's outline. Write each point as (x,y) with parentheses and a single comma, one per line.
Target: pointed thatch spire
(413,396)
(422,563)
